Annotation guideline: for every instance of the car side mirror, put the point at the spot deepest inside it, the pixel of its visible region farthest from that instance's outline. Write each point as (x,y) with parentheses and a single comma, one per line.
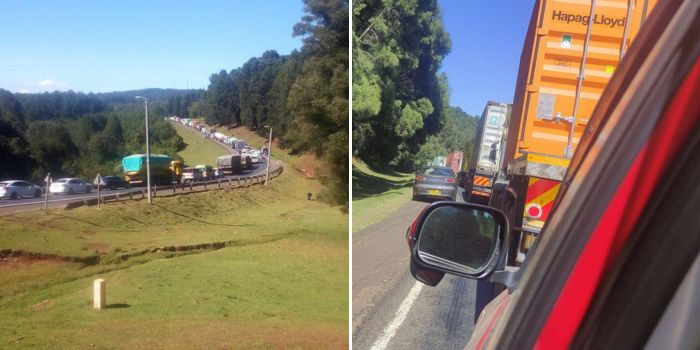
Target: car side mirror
(462,239)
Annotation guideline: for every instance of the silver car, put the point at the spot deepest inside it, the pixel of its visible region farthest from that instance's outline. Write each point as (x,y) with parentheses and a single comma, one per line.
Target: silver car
(435,182)
(70,186)
(14,189)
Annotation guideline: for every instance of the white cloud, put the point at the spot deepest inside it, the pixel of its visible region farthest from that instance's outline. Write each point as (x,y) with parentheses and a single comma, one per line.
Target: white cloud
(47,82)
(43,85)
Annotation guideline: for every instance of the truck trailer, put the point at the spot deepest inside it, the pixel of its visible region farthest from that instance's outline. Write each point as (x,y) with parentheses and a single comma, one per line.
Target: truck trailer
(164,169)
(571,50)
(229,164)
(486,152)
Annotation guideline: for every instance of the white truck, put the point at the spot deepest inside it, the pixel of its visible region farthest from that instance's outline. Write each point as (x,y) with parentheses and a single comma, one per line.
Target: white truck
(487,151)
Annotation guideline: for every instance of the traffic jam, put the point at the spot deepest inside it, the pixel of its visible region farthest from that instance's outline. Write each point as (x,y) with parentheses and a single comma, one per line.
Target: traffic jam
(165,169)
(580,217)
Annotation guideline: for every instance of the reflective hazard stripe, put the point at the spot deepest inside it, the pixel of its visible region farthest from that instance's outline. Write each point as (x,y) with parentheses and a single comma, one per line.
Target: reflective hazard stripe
(541,192)
(481,181)
(481,193)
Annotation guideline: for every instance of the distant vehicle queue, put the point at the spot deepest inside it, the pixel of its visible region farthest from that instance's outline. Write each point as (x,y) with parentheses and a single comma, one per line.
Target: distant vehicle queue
(248,155)
(165,169)
(197,125)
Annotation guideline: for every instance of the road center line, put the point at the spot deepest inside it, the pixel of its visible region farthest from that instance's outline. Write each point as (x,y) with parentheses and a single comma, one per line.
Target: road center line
(401,313)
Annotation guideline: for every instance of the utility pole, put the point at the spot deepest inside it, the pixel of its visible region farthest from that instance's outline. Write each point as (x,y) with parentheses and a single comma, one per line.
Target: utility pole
(148,153)
(98,180)
(269,153)
(46,196)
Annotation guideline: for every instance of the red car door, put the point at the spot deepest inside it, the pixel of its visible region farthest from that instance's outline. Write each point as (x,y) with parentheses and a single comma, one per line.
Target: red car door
(632,163)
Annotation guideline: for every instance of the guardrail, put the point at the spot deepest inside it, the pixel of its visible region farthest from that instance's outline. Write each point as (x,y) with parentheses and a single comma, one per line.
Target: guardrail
(240,181)
(184,188)
(95,198)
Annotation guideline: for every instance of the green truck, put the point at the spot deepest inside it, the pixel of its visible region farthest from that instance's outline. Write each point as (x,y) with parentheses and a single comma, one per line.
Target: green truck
(164,169)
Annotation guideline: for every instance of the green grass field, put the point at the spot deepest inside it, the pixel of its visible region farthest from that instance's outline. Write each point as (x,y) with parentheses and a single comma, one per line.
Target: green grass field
(377,194)
(280,280)
(199,150)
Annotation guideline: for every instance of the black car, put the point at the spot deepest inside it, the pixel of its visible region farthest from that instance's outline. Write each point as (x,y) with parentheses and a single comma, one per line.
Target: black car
(462,179)
(113,182)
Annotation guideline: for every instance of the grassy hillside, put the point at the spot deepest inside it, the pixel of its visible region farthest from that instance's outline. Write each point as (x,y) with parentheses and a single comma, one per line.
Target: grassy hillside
(279,279)
(199,150)
(376,194)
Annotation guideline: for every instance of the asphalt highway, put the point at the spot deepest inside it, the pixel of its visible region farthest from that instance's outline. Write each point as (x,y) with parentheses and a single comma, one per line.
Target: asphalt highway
(391,310)
(8,205)
(55,200)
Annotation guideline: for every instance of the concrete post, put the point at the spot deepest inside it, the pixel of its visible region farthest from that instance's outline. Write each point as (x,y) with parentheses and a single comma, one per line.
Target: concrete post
(99,293)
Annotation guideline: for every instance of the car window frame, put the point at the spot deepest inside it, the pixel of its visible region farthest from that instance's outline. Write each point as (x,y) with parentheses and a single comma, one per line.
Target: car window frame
(649,232)
(538,290)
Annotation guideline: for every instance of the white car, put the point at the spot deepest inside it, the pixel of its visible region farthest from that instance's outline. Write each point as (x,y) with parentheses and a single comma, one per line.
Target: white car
(255,155)
(70,186)
(14,189)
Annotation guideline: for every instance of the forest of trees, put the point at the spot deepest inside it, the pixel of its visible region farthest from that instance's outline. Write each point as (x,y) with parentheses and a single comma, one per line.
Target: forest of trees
(303,96)
(76,134)
(401,113)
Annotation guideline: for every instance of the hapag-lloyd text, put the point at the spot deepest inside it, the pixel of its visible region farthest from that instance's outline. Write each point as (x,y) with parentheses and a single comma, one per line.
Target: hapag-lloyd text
(603,19)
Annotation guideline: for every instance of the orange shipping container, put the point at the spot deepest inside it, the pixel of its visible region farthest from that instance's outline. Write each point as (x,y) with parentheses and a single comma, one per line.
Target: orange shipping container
(547,85)
(554,99)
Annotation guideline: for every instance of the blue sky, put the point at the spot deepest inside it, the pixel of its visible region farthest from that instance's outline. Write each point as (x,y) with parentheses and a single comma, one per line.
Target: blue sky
(487,38)
(100,45)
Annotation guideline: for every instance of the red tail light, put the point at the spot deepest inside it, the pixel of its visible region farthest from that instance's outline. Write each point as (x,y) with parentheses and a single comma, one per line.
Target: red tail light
(420,178)
(450,180)
(412,229)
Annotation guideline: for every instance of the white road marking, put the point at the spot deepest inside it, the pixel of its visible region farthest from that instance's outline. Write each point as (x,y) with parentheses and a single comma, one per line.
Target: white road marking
(401,313)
